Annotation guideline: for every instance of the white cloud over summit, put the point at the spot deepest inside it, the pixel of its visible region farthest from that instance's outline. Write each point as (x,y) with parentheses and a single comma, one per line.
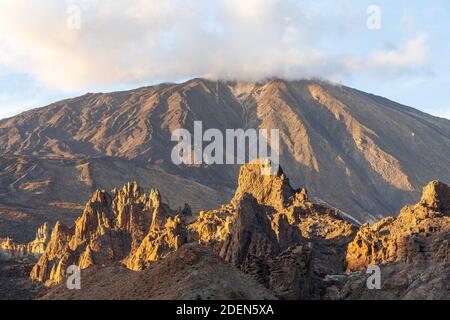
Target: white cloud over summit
(123,41)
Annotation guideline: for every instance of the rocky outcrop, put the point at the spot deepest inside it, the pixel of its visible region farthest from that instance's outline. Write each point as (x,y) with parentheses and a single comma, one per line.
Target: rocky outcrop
(137,229)
(399,281)
(420,233)
(193,272)
(411,251)
(273,233)
(158,244)
(33,249)
(250,235)
(52,264)
(436,198)
(266,183)
(127,225)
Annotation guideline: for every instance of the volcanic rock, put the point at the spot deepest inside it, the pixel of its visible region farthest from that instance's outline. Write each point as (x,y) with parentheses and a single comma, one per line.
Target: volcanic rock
(129,226)
(12,250)
(420,233)
(193,272)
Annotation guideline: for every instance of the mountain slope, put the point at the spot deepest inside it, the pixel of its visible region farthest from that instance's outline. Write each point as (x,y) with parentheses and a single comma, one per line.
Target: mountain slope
(363,154)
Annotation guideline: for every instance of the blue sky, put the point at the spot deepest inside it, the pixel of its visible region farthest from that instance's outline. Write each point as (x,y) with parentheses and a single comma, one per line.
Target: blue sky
(66,48)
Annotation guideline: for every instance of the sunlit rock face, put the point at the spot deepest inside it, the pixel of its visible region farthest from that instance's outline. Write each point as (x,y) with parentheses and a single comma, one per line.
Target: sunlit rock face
(420,233)
(266,227)
(127,225)
(33,249)
(277,235)
(272,232)
(411,252)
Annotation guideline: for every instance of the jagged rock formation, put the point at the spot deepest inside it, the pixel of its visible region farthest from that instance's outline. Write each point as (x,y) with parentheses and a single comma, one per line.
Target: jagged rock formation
(265,228)
(193,272)
(129,225)
(273,227)
(270,231)
(271,189)
(411,250)
(158,244)
(12,250)
(291,215)
(418,234)
(349,148)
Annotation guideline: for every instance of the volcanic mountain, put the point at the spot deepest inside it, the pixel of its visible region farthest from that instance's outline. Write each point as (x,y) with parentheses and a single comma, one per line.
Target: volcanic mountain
(357,152)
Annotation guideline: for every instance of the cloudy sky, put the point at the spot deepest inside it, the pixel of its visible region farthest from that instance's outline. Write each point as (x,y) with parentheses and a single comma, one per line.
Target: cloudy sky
(57,49)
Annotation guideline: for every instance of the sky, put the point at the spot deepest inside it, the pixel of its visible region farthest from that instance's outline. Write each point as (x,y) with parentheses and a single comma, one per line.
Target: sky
(60,49)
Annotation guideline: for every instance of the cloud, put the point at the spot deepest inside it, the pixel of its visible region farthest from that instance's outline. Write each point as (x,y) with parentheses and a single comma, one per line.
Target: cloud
(123,41)
(411,56)
(413,53)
